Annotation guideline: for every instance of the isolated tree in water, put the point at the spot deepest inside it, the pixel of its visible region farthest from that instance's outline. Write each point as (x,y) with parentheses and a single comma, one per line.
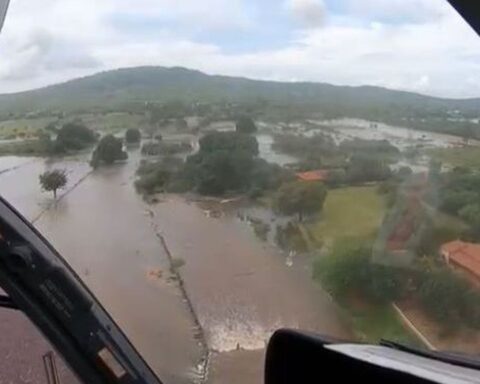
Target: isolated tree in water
(246,125)
(133,135)
(109,150)
(54,180)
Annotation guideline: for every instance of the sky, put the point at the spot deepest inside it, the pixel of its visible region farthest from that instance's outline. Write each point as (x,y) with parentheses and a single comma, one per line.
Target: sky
(416,45)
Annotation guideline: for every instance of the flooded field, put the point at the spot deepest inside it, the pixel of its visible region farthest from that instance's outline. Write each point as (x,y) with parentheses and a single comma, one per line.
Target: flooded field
(239,288)
(401,137)
(265,142)
(192,286)
(198,294)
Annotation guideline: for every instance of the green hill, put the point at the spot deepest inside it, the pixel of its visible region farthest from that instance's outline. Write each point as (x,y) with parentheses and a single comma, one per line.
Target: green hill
(119,88)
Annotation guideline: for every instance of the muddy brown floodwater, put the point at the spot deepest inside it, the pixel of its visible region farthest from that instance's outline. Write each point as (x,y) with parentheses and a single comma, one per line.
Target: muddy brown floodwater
(241,289)
(238,289)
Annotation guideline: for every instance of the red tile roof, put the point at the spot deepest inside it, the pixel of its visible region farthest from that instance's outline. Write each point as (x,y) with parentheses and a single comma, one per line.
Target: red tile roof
(318,175)
(466,255)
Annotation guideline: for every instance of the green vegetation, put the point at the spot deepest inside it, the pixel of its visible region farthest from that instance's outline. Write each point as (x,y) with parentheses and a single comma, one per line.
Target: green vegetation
(468,157)
(113,122)
(71,137)
(74,136)
(151,149)
(165,148)
(132,88)
(156,176)
(364,290)
(133,136)
(460,197)
(350,212)
(300,198)
(450,299)
(352,162)
(246,125)
(312,151)
(290,237)
(35,147)
(260,228)
(108,150)
(23,128)
(347,270)
(373,323)
(366,168)
(228,162)
(52,181)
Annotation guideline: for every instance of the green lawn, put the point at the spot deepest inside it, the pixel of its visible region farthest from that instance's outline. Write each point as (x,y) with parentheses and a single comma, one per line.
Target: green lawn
(349,212)
(457,157)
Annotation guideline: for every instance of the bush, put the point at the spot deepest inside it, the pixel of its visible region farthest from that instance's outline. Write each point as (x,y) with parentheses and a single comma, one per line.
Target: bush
(348,269)
(154,180)
(301,198)
(75,136)
(246,125)
(450,299)
(290,237)
(109,150)
(151,149)
(132,136)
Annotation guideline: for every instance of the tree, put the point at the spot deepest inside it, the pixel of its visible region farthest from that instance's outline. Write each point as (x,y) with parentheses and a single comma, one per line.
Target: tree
(109,150)
(133,135)
(228,141)
(471,214)
(348,269)
(53,180)
(363,168)
(246,125)
(225,162)
(74,136)
(300,198)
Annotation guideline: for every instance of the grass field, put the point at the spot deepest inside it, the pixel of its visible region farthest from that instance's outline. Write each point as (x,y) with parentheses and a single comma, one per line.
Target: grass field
(349,212)
(379,322)
(113,122)
(457,157)
(28,127)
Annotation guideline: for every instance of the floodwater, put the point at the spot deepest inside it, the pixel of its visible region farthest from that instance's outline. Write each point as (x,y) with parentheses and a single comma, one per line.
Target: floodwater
(266,152)
(240,289)
(401,137)
(103,230)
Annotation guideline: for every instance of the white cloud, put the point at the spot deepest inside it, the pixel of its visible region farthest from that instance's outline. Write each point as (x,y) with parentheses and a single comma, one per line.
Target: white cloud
(47,41)
(416,10)
(309,13)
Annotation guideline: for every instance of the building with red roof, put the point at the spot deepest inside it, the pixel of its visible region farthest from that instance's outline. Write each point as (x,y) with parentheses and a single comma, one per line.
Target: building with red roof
(317,175)
(465,257)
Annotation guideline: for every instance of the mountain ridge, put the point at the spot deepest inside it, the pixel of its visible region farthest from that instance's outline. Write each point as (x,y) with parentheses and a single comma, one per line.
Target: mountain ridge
(113,88)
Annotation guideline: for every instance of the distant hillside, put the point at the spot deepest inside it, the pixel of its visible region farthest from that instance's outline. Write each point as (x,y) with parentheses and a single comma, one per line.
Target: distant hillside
(114,89)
